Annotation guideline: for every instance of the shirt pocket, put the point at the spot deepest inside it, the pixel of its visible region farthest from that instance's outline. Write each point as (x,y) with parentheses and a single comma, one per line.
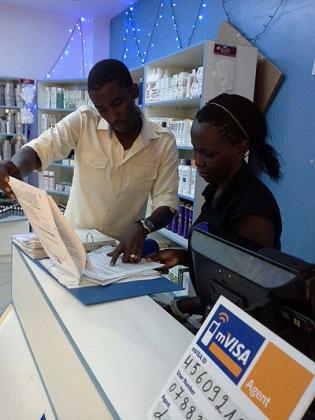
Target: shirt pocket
(144,176)
(93,170)
(94,162)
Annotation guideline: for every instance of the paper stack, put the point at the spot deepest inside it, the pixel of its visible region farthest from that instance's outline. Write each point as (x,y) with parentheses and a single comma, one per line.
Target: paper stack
(30,245)
(98,269)
(68,261)
(90,238)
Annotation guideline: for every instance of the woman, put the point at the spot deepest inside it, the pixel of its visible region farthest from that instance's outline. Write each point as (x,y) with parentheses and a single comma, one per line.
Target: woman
(224,131)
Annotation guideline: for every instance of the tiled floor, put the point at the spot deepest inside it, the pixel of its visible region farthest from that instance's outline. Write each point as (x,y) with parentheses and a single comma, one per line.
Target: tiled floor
(5,285)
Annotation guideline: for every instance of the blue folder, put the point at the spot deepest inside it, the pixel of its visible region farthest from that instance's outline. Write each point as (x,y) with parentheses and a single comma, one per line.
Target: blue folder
(92,295)
(116,291)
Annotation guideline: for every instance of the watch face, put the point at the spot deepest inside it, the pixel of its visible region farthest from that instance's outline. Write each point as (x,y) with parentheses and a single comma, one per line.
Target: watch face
(149,224)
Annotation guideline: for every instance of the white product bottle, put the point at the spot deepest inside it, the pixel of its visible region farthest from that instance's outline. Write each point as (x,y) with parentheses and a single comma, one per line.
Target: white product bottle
(43,122)
(180,175)
(193,177)
(6,149)
(188,85)
(47,97)
(46,180)
(51,180)
(186,178)
(53,97)
(18,144)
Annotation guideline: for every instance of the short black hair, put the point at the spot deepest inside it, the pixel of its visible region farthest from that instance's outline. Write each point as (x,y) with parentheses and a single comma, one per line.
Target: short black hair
(107,71)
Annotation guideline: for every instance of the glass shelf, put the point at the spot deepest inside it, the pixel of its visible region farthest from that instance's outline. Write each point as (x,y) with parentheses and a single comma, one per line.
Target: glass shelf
(61,165)
(180,240)
(54,192)
(186,197)
(183,103)
(56,109)
(12,134)
(10,107)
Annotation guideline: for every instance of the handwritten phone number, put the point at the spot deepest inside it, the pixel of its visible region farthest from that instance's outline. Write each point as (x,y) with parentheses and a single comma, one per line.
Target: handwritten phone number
(211,390)
(186,407)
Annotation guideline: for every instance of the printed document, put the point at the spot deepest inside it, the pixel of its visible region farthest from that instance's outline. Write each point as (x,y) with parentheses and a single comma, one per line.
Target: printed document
(63,246)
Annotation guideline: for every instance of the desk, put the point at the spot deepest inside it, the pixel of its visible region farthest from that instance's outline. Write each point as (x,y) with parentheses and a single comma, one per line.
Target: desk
(97,362)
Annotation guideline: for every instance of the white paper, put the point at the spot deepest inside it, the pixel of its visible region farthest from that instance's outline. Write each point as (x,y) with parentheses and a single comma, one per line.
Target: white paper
(98,267)
(64,247)
(54,232)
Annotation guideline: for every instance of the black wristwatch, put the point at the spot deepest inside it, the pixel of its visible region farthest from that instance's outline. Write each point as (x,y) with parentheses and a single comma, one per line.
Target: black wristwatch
(147,224)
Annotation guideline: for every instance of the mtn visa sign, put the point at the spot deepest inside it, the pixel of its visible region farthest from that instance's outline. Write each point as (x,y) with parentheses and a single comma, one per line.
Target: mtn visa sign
(230,343)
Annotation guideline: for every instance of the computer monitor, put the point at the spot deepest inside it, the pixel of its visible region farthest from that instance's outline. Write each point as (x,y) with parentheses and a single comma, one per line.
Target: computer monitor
(266,283)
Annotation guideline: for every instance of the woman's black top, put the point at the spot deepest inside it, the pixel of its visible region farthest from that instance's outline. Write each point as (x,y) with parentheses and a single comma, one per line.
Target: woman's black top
(245,195)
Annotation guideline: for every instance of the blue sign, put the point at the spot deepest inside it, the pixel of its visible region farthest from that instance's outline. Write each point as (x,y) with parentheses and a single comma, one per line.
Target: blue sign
(230,343)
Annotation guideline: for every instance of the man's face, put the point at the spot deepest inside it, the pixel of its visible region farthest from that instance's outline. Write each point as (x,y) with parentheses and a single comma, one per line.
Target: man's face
(116,104)
(216,158)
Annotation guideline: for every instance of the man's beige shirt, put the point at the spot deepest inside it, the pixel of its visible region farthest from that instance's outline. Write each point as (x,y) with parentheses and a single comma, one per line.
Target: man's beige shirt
(111,186)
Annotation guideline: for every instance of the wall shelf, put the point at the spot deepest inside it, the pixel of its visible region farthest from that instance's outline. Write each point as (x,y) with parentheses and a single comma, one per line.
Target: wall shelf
(180,240)
(73,92)
(182,103)
(202,62)
(60,165)
(66,110)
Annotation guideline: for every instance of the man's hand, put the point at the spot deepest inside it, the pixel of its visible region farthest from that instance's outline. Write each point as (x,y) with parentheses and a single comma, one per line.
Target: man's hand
(7,169)
(131,245)
(169,257)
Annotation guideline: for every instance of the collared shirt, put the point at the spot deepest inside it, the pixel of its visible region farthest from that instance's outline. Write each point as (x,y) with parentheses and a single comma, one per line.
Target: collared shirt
(110,185)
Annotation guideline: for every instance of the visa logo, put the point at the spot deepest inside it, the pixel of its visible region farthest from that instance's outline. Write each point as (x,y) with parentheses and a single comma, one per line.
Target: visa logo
(234,346)
(230,343)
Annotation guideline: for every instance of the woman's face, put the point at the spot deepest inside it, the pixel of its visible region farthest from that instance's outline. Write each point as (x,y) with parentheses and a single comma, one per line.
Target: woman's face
(217,159)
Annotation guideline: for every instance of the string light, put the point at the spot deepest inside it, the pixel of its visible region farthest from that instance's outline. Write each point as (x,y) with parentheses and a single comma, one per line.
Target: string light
(131,27)
(265,25)
(199,16)
(178,39)
(66,50)
(130,24)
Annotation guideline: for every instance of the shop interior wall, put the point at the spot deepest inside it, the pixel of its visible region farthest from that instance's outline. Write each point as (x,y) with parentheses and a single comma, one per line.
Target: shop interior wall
(289,43)
(31,41)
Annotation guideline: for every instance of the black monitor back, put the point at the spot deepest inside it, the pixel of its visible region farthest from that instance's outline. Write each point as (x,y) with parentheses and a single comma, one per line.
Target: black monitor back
(255,278)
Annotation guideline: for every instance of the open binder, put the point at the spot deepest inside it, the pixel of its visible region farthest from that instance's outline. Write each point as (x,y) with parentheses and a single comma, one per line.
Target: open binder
(68,259)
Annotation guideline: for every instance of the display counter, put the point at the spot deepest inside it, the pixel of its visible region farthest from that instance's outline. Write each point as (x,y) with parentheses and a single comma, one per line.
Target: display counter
(9,226)
(22,394)
(96,362)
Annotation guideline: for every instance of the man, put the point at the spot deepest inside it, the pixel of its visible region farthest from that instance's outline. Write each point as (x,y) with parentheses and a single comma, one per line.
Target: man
(121,159)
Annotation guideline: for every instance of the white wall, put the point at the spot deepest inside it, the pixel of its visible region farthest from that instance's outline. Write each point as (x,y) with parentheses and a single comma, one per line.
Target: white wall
(31,41)
(101,38)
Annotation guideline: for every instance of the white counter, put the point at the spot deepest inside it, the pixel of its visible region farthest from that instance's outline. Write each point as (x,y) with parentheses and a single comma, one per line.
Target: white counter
(22,394)
(9,226)
(97,362)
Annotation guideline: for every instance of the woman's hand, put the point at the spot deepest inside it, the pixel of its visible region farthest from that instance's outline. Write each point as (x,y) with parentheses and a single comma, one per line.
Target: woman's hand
(169,257)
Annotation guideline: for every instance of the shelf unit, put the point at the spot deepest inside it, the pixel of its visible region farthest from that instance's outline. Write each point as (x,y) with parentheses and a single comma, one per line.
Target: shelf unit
(137,75)
(12,132)
(56,99)
(187,101)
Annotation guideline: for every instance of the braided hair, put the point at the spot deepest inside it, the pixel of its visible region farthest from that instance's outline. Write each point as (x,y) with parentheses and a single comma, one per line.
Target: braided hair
(237,118)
